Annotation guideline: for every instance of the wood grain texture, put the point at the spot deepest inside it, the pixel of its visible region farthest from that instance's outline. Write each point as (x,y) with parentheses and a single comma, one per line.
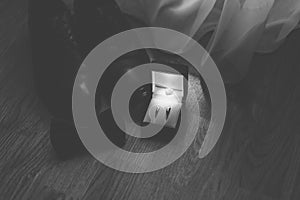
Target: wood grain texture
(256,158)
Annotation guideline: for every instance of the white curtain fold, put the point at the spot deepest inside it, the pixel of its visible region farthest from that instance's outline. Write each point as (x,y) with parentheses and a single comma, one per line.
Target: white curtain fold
(283,18)
(185,16)
(241,27)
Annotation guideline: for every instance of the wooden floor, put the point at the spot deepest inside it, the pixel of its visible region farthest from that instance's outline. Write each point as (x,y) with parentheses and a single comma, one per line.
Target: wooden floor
(257,157)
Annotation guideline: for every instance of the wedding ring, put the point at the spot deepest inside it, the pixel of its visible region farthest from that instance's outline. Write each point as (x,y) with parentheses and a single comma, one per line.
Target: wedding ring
(169,91)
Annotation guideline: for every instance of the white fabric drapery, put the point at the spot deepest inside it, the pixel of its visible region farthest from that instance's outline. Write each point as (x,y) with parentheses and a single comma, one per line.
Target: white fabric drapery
(241,27)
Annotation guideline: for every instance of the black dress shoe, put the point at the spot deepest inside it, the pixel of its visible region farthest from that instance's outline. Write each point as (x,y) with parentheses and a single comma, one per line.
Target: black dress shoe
(61,38)
(64,139)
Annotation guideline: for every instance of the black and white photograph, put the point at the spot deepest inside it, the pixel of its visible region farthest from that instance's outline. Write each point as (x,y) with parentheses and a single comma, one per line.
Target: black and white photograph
(149,99)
